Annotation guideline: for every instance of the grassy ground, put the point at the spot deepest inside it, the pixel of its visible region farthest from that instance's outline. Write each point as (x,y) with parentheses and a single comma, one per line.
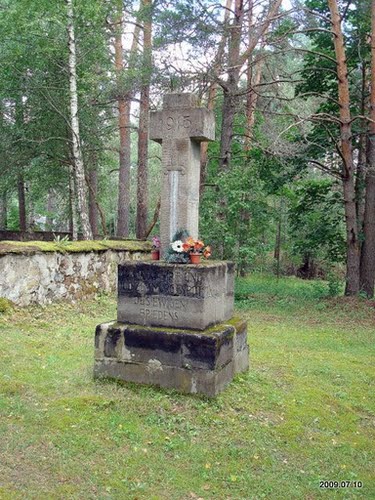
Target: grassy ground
(303,413)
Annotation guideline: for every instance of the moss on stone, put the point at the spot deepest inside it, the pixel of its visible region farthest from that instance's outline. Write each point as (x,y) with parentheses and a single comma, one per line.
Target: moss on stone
(211,330)
(5,305)
(30,248)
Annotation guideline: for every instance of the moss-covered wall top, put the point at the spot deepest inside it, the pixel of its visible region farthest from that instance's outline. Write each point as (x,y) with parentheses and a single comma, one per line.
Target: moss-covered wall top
(33,247)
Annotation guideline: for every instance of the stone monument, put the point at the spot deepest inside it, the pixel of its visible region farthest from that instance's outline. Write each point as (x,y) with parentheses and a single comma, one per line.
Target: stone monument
(180,127)
(175,325)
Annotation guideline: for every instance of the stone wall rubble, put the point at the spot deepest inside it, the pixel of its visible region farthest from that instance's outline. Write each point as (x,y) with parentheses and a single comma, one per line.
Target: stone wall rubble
(44,278)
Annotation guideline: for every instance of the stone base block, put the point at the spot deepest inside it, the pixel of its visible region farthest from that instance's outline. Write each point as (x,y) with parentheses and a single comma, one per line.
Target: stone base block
(175,295)
(191,361)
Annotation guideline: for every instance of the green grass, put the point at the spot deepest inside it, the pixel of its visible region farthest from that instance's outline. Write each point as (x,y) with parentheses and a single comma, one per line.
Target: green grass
(303,413)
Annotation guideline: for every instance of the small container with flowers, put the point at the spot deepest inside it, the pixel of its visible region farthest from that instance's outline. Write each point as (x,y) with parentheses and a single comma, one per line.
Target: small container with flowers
(184,249)
(155,251)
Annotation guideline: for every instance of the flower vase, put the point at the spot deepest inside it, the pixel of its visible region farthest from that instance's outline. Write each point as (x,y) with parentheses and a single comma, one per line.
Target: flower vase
(155,254)
(195,258)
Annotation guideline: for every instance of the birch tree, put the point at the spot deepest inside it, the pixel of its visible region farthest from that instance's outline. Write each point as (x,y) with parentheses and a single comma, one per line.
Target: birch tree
(79,170)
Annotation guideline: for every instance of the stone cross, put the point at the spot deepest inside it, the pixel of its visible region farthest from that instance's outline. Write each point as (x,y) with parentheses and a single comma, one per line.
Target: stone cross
(180,127)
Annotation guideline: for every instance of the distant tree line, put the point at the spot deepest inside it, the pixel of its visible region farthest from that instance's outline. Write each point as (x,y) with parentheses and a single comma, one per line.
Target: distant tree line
(289,182)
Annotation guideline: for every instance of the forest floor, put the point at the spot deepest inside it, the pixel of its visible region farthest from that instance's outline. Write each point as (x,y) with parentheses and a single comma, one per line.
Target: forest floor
(304,413)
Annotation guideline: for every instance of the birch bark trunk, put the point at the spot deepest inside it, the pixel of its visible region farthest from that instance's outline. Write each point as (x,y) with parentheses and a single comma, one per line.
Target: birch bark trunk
(73,223)
(79,170)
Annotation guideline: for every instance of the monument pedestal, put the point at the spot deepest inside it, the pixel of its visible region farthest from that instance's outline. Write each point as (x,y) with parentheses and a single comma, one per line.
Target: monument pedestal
(175,328)
(191,361)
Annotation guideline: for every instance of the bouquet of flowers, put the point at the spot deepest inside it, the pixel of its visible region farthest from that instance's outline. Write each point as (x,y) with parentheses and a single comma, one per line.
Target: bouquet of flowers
(196,246)
(183,245)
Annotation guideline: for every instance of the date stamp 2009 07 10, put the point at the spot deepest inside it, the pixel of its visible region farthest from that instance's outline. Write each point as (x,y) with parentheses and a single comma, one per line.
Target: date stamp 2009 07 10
(340,484)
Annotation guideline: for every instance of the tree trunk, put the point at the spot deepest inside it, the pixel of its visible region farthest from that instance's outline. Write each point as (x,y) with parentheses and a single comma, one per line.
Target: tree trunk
(76,141)
(231,87)
(235,63)
(352,242)
(361,166)
(254,76)
(277,251)
(21,203)
(252,99)
(217,67)
(51,205)
(123,103)
(368,248)
(3,211)
(31,223)
(93,194)
(73,225)
(204,145)
(144,109)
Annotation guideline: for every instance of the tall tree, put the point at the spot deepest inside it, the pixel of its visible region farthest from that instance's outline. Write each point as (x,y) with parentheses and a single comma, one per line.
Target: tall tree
(236,60)
(367,276)
(79,169)
(213,87)
(335,75)
(123,103)
(346,152)
(144,109)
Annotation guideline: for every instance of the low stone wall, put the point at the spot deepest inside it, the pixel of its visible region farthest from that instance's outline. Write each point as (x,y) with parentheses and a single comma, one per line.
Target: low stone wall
(43,277)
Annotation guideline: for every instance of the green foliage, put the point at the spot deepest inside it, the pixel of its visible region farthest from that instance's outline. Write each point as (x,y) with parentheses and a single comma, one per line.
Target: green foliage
(319,74)
(335,284)
(236,215)
(61,241)
(287,291)
(316,220)
(34,91)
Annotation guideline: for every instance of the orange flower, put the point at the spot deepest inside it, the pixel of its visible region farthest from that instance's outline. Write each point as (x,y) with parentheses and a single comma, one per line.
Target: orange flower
(190,241)
(186,247)
(207,252)
(198,245)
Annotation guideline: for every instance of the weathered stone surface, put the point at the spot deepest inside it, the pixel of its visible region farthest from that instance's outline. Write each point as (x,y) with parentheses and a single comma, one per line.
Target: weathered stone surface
(189,361)
(44,278)
(175,295)
(180,127)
